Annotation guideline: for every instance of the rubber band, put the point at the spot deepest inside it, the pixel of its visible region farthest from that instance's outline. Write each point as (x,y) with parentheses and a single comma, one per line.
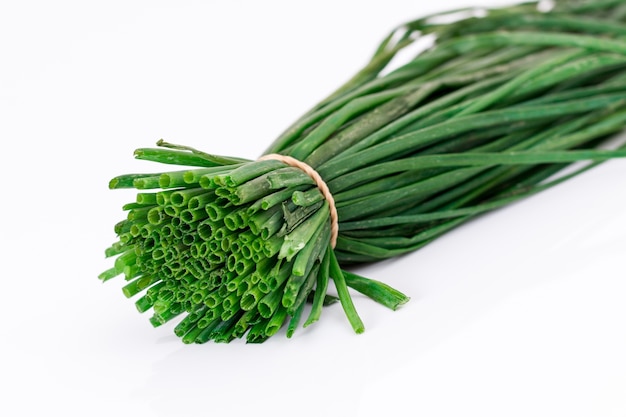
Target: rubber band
(319,182)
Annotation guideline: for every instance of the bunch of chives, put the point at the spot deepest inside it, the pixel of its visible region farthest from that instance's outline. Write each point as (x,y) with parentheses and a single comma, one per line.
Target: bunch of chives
(490,114)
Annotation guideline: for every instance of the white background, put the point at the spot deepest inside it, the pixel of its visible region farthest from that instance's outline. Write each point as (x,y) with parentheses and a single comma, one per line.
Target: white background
(519,313)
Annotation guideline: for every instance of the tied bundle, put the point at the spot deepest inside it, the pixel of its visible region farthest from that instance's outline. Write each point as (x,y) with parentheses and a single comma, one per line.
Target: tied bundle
(491,112)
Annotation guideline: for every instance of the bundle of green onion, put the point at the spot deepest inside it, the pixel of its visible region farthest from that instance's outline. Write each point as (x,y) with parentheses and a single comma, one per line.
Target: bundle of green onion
(491,113)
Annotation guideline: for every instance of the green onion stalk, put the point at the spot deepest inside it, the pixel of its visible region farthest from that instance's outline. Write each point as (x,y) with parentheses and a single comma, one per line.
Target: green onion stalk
(492,112)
